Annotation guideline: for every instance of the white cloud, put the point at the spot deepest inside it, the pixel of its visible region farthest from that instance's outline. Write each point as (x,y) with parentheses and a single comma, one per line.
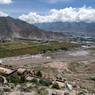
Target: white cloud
(5,1)
(2,14)
(65,15)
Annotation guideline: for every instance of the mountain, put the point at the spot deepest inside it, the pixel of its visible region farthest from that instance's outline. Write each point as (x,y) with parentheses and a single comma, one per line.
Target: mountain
(11,28)
(70,28)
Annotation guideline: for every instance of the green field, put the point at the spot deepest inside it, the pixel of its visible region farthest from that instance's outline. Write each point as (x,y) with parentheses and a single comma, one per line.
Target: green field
(16,48)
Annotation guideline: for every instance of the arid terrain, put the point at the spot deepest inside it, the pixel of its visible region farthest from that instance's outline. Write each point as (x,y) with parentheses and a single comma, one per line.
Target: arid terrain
(75,67)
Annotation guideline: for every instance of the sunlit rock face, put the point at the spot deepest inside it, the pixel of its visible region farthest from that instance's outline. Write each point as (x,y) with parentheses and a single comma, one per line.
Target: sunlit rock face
(11,28)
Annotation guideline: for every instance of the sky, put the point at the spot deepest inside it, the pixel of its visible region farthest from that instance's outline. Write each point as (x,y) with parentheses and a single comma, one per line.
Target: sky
(36,11)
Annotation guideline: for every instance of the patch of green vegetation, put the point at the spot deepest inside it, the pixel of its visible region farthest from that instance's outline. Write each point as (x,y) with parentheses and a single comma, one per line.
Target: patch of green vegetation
(16,79)
(45,82)
(16,48)
(35,81)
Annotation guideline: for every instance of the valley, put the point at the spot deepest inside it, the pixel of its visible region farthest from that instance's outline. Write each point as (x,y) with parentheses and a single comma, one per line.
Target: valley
(39,62)
(61,63)
(47,47)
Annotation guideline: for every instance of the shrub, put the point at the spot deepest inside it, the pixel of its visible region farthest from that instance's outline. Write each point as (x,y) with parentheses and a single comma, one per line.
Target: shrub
(45,82)
(34,81)
(56,86)
(39,74)
(16,79)
(22,79)
(92,78)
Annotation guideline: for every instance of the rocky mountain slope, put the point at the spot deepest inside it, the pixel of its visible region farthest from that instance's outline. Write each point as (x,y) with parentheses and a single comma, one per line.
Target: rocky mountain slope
(11,28)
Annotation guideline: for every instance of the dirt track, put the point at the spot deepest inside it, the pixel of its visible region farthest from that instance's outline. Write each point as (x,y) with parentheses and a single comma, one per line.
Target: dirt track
(26,59)
(62,56)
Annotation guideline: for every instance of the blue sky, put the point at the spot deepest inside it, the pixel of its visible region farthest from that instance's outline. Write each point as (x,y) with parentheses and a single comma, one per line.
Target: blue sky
(19,7)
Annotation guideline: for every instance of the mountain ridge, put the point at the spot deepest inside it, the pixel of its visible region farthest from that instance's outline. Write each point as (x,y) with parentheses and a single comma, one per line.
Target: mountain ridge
(11,28)
(74,28)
